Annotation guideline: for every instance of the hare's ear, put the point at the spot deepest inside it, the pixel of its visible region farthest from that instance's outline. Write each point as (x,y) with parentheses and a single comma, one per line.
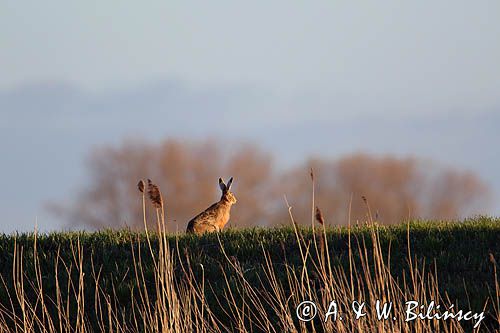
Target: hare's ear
(229,183)
(222,185)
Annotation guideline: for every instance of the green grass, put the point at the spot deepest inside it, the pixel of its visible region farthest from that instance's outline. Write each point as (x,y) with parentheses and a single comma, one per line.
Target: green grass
(458,251)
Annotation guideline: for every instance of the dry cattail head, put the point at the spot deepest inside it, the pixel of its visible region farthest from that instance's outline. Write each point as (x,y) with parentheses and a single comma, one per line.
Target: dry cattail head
(312,174)
(319,216)
(154,194)
(141,186)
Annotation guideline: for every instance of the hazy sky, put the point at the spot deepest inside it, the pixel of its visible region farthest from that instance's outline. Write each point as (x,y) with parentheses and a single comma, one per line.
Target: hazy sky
(74,75)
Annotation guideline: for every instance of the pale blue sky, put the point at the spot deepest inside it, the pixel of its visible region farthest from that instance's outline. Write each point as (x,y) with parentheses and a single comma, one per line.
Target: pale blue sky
(386,47)
(77,74)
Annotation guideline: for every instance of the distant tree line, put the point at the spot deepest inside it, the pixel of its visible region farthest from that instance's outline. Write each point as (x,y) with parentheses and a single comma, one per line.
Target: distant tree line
(393,188)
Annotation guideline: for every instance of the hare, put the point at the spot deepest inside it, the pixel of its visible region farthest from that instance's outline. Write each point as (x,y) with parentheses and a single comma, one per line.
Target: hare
(215,217)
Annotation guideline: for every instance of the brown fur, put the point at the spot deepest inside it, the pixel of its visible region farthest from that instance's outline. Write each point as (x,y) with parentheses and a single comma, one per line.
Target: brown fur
(215,217)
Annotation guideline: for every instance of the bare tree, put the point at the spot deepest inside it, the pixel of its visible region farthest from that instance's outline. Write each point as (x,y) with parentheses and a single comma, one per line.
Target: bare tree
(394,189)
(253,171)
(187,173)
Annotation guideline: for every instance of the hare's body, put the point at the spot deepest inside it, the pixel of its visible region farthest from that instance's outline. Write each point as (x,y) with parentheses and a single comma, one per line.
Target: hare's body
(215,217)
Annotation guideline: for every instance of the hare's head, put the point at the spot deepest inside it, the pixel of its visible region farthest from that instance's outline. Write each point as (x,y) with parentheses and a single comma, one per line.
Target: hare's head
(227,195)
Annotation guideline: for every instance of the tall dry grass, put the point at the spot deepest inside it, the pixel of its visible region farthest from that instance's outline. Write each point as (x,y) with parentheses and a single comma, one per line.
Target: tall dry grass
(178,302)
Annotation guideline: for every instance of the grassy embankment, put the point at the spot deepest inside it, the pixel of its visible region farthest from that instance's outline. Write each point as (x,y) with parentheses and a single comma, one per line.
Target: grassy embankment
(246,280)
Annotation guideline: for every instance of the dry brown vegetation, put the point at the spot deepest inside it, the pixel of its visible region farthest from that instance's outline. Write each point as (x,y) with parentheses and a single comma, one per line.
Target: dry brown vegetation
(173,299)
(187,172)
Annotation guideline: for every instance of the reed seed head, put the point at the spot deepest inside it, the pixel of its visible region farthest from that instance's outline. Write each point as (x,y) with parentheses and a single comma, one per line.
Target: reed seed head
(319,216)
(141,186)
(154,194)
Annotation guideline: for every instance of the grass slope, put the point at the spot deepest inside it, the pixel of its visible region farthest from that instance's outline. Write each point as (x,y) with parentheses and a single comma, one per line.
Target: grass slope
(459,252)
